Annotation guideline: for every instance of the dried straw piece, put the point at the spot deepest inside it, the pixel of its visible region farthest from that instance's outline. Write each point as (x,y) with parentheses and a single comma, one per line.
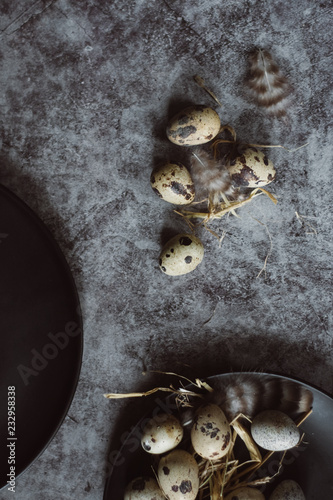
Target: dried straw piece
(221,210)
(214,475)
(246,437)
(263,269)
(201,82)
(305,223)
(179,392)
(232,132)
(200,384)
(277,146)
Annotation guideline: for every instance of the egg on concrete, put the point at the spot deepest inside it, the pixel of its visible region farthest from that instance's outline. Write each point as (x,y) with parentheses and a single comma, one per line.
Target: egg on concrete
(273,430)
(245,493)
(181,255)
(161,434)
(178,475)
(287,490)
(193,125)
(252,169)
(173,183)
(143,488)
(211,433)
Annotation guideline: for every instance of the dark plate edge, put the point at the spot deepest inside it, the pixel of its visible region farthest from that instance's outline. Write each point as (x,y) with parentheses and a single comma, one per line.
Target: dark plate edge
(49,235)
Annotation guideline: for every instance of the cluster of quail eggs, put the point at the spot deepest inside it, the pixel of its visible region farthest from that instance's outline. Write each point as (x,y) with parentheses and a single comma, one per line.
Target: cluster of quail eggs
(172,181)
(210,438)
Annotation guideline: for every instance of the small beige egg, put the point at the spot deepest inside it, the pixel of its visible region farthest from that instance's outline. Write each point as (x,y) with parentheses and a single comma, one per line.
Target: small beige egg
(173,183)
(193,125)
(161,434)
(245,493)
(143,488)
(210,433)
(252,169)
(274,431)
(288,490)
(178,475)
(181,255)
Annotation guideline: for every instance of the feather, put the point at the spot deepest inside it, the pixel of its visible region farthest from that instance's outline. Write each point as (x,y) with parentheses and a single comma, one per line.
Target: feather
(210,176)
(250,395)
(269,87)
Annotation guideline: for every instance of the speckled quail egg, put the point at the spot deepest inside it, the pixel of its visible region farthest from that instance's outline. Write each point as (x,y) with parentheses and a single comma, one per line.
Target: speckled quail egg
(181,255)
(178,475)
(173,183)
(193,125)
(210,433)
(275,431)
(252,169)
(161,434)
(245,493)
(288,490)
(143,488)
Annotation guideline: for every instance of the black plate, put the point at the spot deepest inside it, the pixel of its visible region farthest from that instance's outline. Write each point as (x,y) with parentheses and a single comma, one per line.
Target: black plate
(40,336)
(311,464)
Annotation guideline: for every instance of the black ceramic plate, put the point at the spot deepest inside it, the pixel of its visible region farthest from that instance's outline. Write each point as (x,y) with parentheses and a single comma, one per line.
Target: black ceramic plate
(311,464)
(40,337)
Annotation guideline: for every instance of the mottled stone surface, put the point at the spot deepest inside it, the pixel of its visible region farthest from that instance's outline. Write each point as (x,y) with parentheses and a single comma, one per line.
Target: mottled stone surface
(86,88)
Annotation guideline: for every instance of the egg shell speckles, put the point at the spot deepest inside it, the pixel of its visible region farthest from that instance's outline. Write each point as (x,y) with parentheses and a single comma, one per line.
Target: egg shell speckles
(211,433)
(181,255)
(143,488)
(252,169)
(288,490)
(245,493)
(178,475)
(275,431)
(172,182)
(193,125)
(161,434)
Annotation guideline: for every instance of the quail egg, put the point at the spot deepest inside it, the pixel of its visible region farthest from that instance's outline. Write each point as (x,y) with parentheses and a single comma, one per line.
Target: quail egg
(181,255)
(173,183)
(273,430)
(193,125)
(210,433)
(252,169)
(245,493)
(287,490)
(143,488)
(178,475)
(161,434)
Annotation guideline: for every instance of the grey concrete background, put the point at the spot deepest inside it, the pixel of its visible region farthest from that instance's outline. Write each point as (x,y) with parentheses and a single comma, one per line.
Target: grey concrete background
(86,90)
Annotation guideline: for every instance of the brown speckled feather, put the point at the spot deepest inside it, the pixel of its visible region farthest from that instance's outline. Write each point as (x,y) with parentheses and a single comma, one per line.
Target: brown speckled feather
(250,395)
(210,176)
(269,87)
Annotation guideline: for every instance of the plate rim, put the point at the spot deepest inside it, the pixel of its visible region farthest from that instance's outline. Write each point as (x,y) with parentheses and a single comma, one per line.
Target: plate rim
(15,199)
